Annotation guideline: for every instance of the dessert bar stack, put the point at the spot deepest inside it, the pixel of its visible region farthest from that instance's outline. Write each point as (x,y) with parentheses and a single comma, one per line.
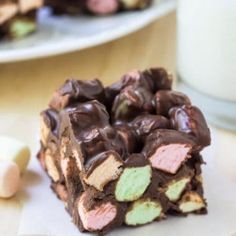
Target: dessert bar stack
(17,17)
(97,7)
(126,154)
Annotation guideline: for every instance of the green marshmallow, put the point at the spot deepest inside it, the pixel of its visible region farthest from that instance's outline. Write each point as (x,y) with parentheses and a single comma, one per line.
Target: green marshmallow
(175,189)
(143,212)
(132,183)
(21,27)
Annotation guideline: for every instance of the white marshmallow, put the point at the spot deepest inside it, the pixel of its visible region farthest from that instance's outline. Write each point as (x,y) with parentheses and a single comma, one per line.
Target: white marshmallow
(14,150)
(9,179)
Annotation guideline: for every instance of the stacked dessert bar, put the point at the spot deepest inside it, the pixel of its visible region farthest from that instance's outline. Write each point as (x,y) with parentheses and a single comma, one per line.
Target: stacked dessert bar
(97,7)
(126,154)
(17,17)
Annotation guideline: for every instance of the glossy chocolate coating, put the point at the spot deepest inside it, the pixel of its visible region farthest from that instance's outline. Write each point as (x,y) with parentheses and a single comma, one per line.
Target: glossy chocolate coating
(131,102)
(130,138)
(74,91)
(161,79)
(99,140)
(146,124)
(86,116)
(190,120)
(166,99)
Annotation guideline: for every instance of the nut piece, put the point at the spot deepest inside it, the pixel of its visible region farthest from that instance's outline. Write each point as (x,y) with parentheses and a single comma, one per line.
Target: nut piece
(175,188)
(9,179)
(132,183)
(51,167)
(97,218)
(143,211)
(105,168)
(191,202)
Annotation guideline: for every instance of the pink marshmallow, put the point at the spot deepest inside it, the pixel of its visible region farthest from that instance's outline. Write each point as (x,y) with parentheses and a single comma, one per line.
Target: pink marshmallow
(97,218)
(170,157)
(102,7)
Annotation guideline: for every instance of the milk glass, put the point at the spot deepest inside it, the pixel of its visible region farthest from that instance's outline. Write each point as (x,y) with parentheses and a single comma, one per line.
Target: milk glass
(206,57)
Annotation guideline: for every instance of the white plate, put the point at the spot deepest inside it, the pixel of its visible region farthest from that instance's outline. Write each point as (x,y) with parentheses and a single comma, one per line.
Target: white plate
(57,35)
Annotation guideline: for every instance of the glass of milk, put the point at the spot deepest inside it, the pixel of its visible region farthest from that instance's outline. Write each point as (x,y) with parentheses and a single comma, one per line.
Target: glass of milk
(206,57)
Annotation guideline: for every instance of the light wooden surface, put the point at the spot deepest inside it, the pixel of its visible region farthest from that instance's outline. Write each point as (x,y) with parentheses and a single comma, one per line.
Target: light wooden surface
(26,87)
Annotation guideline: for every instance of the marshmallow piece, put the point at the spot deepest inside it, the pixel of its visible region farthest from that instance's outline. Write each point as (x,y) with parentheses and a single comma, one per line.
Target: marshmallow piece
(143,211)
(28,5)
(97,218)
(7,11)
(176,188)
(102,7)
(9,179)
(132,183)
(191,202)
(14,150)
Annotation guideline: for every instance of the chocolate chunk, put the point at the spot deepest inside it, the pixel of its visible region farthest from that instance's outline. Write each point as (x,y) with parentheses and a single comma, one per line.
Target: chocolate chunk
(86,116)
(99,140)
(165,99)
(74,91)
(146,124)
(133,79)
(131,101)
(130,138)
(190,120)
(167,149)
(161,79)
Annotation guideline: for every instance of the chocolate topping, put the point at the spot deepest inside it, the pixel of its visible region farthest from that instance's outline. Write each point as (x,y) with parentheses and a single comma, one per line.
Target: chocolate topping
(131,102)
(165,99)
(146,124)
(161,79)
(130,138)
(74,91)
(190,120)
